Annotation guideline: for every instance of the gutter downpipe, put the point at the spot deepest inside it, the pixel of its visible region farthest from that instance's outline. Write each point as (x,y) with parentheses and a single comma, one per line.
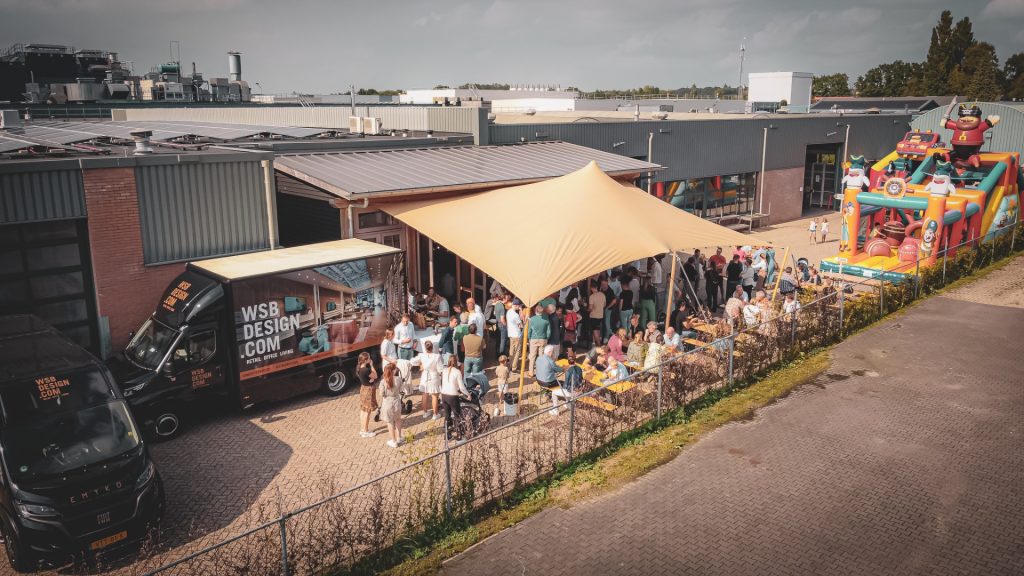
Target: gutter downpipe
(650,153)
(271,196)
(351,216)
(764,150)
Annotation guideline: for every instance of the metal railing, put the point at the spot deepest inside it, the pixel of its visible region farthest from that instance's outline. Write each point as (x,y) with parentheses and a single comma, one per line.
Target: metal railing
(358,529)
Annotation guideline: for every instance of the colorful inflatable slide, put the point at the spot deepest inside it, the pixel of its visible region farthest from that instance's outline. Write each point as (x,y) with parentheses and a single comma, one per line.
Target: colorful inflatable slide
(924,197)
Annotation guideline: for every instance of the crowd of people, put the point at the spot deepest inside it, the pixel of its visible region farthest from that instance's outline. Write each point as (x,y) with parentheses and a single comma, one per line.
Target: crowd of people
(616,316)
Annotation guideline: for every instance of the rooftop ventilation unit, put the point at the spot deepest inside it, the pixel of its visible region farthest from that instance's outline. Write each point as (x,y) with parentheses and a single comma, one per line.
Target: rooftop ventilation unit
(371,126)
(9,119)
(355,125)
(142,147)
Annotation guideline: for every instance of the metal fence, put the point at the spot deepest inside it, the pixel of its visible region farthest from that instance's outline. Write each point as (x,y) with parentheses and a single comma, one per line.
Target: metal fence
(361,528)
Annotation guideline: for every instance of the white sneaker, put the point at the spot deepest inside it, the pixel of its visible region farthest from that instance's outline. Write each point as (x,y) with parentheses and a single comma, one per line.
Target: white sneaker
(392,444)
(497,411)
(427,414)
(437,417)
(367,434)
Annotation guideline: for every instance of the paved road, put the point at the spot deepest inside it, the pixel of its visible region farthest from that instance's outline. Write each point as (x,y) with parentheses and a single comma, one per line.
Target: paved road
(905,457)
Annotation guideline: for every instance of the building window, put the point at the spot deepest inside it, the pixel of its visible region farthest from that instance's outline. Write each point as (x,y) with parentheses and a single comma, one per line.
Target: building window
(375,219)
(715,197)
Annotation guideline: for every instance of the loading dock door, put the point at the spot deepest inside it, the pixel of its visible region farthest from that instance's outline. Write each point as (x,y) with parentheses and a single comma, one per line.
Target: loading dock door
(45,269)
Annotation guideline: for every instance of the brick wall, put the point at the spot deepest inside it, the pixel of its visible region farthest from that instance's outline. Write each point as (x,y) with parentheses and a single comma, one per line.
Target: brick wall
(126,290)
(782,193)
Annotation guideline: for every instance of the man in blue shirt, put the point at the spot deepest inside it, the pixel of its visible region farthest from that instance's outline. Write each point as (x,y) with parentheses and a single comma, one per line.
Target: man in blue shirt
(446,345)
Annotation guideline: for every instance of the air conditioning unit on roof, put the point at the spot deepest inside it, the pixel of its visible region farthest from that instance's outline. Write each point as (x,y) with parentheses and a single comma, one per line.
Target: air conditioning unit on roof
(371,126)
(355,125)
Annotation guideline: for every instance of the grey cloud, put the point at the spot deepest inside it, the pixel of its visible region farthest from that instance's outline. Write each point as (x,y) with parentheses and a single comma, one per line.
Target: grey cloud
(324,46)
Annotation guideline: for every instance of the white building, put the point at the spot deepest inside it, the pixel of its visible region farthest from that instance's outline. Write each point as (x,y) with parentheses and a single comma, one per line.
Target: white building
(793,87)
(466,94)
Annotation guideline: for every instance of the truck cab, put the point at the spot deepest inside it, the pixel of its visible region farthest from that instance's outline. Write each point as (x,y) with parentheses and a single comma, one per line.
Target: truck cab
(178,354)
(76,479)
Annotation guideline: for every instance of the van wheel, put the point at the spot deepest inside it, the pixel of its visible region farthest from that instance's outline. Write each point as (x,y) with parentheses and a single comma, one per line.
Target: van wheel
(335,381)
(168,422)
(19,557)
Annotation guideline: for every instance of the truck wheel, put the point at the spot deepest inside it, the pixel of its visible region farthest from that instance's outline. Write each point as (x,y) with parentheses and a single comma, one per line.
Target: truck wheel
(168,422)
(19,556)
(335,381)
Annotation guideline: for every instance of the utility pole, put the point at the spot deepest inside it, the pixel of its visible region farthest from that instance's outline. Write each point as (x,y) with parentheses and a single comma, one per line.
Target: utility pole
(743,53)
(352,97)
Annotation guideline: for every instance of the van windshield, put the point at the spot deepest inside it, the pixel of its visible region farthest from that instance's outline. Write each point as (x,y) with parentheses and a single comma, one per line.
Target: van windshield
(150,344)
(67,441)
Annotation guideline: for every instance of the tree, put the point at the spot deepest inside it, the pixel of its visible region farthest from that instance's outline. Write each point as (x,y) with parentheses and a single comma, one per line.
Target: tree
(837,84)
(979,75)
(1013,76)
(442,87)
(893,79)
(948,47)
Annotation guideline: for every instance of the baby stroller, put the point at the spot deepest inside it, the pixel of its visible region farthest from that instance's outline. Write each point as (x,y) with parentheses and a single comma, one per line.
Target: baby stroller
(474,419)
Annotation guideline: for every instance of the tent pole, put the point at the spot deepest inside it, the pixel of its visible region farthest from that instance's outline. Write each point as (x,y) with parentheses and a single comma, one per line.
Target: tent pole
(522,363)
(778,277)
(671,288)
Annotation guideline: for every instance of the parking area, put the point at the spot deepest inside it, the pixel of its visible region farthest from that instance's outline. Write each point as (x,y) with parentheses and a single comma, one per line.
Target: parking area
(228,472)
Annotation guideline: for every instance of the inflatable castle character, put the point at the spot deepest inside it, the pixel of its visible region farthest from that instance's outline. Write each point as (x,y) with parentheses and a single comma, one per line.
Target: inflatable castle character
(969,134)
(855,174)
(942,180)
(928,234)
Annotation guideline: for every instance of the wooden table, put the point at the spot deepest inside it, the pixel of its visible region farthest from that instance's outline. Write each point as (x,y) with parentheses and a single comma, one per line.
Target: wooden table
(595,377)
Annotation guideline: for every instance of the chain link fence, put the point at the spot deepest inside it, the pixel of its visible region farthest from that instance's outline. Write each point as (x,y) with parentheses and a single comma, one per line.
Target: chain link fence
(364,527)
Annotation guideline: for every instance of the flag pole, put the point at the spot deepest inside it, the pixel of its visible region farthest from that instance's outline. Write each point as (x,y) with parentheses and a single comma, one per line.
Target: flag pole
(671,288)
(522,363)
(778,278)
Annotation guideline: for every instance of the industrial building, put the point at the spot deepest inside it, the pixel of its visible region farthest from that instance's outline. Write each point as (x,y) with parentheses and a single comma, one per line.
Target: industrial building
(56,74)
(94,225)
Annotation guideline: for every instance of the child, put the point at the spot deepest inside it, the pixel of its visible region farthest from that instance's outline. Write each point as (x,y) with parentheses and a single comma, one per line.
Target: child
(813,229)
(824,230)
(502,373)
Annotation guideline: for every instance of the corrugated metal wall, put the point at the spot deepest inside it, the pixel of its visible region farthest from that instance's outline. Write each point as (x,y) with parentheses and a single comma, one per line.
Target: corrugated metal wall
(702,148)
(37,195)
(439,119)
(203,209)
(1007,136)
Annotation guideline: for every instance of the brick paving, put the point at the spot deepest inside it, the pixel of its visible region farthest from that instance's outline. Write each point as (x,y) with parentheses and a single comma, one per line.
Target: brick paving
(226,471)
(905,457)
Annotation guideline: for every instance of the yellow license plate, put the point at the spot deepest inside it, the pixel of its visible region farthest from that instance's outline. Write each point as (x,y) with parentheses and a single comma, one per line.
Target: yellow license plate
(104,542)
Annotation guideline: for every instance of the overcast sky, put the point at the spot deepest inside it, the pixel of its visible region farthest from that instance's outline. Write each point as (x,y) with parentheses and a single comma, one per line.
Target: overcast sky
(309,46)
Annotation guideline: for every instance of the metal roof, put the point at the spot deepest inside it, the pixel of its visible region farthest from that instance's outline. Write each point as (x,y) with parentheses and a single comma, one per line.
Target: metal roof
(289,259)
(459,168)
(57,133)
(899,103)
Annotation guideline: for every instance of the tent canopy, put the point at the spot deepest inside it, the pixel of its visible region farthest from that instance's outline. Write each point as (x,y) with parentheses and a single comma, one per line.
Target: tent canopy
(538,238)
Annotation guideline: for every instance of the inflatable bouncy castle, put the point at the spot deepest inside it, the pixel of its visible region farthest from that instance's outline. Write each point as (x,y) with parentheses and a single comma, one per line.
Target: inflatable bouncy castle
(923,197)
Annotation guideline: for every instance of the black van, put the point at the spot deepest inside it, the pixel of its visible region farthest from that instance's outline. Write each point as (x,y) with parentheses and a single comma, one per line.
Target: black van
(76,479)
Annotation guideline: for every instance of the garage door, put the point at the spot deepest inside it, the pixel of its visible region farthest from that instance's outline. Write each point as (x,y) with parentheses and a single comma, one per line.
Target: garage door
(45,269)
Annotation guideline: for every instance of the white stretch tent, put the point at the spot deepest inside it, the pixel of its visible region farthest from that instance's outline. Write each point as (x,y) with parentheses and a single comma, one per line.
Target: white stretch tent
(538,238)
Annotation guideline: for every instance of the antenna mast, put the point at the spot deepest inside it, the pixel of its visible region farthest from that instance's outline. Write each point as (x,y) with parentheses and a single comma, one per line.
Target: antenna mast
(743,53)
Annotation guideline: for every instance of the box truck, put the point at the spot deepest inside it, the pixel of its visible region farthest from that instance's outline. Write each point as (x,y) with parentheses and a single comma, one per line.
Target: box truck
(261,327)
(76,479)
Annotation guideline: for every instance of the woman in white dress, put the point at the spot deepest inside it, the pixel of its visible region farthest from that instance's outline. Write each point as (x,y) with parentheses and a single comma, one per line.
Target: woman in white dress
(430,380)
